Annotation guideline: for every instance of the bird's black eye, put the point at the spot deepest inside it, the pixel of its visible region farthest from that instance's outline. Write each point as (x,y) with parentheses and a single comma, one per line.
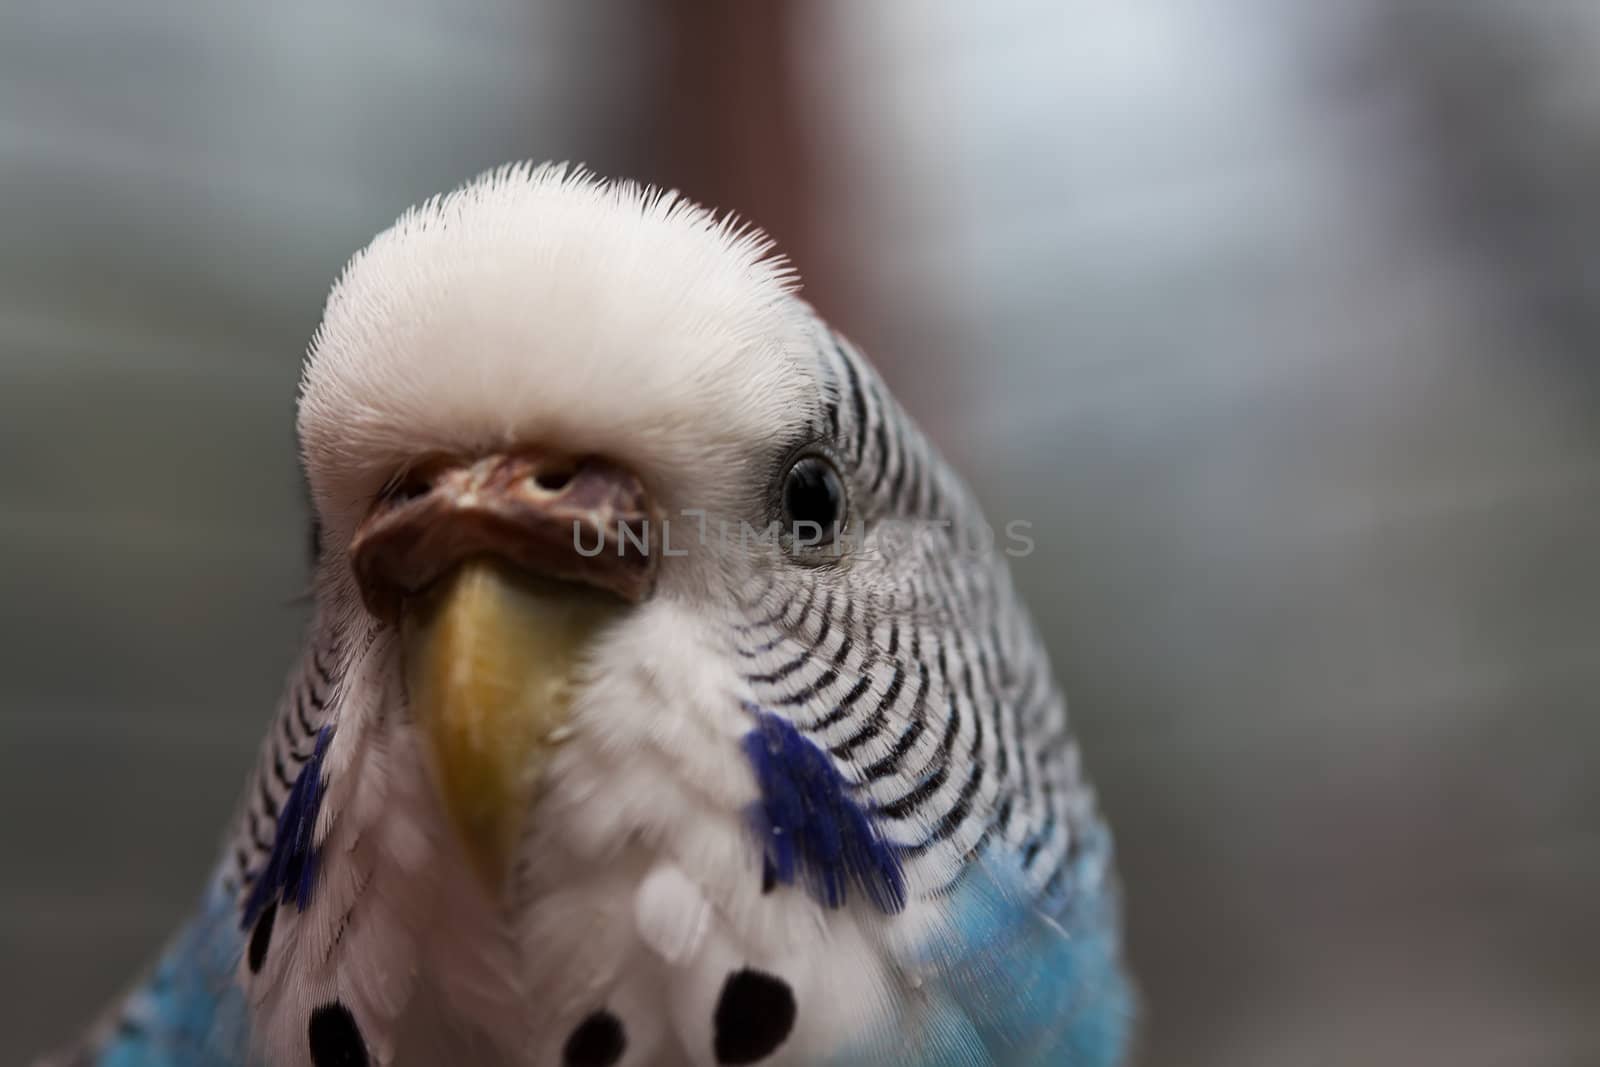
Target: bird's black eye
(813,501)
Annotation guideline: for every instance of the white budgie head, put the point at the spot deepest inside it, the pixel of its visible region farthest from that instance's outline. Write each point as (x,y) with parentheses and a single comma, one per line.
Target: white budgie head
(667,692)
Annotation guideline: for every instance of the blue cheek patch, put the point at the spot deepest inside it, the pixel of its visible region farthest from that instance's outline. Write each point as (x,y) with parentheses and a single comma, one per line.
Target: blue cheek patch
(809,826)
(291,869)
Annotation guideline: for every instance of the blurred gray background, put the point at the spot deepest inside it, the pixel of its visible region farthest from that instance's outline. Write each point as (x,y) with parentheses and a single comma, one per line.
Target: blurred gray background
(1279,323)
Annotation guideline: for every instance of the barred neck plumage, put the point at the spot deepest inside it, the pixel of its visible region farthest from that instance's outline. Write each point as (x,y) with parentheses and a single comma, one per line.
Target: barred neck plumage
(916,667)
(305,709)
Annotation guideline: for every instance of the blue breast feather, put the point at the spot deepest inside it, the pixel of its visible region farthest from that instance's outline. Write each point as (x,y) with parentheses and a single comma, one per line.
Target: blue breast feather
(188,1012)
(1009,981)
(810,828)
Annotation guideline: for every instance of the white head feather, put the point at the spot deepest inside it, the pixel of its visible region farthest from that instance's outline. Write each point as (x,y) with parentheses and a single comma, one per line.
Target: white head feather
(541,305)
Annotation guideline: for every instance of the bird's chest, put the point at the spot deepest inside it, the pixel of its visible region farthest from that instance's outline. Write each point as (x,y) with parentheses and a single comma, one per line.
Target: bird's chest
(659,958)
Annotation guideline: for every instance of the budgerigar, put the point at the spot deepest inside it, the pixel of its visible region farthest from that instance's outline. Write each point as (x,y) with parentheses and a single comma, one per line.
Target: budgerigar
(667,700)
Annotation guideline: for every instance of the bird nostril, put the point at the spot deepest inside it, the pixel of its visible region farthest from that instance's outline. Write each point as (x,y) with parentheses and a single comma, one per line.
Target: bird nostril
(553,480)
(408,490)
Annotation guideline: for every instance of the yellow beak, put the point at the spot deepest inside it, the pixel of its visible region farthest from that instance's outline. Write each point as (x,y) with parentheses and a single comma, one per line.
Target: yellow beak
(491,657)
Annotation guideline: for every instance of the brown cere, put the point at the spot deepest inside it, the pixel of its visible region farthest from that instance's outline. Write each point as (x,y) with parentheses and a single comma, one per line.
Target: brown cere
(533,509)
